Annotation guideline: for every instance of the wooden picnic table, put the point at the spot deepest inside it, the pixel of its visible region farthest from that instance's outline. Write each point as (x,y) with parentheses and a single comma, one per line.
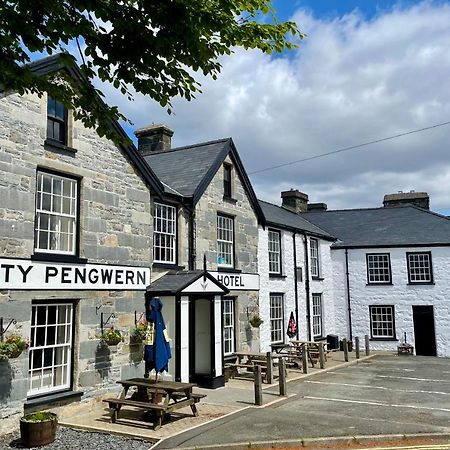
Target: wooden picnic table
(248,360)
(175,395)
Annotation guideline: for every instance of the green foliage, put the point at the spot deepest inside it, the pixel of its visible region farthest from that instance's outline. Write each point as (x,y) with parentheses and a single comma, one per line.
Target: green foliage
(39,416)
(151,47)
(256,321)
(12,346)
(137,334)
(111,336)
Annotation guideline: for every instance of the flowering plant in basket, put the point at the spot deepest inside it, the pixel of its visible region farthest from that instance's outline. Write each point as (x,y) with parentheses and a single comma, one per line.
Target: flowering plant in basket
(13,346)
(137,334)
(111,336)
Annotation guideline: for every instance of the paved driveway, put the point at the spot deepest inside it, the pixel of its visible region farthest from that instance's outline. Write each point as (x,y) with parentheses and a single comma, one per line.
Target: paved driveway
(384,395)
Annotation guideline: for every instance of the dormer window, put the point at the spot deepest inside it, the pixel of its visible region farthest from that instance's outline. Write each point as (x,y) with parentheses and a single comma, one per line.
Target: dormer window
(227,168)
(56,121)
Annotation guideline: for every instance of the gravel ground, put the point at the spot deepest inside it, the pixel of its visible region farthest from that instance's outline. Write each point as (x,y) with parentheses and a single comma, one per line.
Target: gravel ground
(67,438)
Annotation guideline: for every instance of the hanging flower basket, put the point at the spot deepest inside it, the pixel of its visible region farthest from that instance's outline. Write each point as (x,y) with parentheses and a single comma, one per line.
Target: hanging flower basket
(256,321)
(137,334)
(12,347)
(111,336)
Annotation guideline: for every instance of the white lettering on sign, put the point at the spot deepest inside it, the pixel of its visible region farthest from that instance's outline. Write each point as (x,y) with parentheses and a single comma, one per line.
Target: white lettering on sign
(238,281)
(25,274)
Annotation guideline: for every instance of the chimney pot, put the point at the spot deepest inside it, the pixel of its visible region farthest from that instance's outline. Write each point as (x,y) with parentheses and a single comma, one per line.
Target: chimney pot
(420,199)
(154,138)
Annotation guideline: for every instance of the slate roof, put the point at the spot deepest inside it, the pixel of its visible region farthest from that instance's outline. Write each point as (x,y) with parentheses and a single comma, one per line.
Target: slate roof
(383,227)
(278,216)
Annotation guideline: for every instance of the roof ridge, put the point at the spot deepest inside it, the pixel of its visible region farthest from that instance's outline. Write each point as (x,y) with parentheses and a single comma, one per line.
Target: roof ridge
(428,211)
(200,144)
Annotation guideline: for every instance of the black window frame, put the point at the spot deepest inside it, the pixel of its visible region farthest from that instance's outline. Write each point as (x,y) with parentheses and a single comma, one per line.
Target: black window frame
(61,121)
(227,184)
(376,283)
(408,254)
(378,338)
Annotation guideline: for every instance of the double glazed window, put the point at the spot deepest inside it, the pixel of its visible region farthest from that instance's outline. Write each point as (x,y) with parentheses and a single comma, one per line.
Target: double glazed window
(225,236)
(228,326)
(419,267)
(382,322)
(314,251)
(274,252)
(378,268)
(56,121)
(164,234)
(317,314)
(56,214)
(50,354)
(276,318)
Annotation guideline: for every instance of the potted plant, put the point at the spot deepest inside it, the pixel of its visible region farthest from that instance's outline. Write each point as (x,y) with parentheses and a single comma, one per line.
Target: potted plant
(137,334)
(111,336)
(38,428)
(256,321)
(12,346)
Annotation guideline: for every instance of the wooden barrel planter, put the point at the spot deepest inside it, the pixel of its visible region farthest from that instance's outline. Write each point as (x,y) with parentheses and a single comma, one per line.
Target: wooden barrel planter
(38,428)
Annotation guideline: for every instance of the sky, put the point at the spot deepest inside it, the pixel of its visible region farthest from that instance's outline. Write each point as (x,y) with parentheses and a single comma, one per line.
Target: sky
(366,70)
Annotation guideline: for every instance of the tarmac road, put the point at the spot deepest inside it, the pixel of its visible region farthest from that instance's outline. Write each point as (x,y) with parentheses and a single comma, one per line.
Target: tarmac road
(381,396)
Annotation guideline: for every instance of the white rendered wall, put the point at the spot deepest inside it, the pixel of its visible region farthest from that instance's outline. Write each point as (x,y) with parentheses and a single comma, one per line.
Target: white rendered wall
(400,294)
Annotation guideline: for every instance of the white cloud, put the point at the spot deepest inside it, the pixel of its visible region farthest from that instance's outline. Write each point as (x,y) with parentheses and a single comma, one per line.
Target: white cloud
(353,80)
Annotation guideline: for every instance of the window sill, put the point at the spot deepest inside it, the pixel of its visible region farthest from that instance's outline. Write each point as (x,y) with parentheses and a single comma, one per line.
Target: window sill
(50,257)
(229,199)
(317,278)
(379,284)
(422,283)
(276,275)
(388,339)
(59,146)
(167,266)
(49,399)
(228,269)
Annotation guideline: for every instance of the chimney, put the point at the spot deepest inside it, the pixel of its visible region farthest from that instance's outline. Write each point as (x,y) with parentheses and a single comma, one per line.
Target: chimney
(317,207)
(295,201)
(154,138)
(420,199)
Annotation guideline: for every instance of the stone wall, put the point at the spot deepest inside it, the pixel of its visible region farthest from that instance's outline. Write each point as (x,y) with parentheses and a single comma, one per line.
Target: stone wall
(115,228)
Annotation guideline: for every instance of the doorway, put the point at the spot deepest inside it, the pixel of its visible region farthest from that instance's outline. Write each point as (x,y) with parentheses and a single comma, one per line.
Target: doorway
(424,334)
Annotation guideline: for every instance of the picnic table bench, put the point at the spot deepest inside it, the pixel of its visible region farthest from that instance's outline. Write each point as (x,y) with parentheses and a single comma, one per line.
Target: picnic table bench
(293,351)
(158,398)
(248,361)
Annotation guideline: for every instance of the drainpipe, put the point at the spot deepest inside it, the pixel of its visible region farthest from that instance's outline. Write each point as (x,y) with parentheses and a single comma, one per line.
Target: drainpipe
(191,239)
(307,287)
(349,304)
(295,283)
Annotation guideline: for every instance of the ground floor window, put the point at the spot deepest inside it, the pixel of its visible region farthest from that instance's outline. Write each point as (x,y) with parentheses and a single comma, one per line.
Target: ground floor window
(382,322)
(228,326)
(276,318)
(50,355)
(317,314)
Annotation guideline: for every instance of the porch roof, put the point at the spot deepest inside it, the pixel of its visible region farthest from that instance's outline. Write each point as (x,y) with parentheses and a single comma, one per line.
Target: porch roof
(187,281)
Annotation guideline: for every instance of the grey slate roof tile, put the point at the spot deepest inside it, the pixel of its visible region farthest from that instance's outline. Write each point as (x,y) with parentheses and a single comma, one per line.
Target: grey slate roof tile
(378,227)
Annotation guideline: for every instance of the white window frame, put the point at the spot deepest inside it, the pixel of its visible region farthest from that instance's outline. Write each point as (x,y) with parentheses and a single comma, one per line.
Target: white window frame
(276,306)
(420,267)
(317,315)
(382,322)
(228,326)
(164,233)
(314,257)
(48,372)
(274,248)
(225,241)
(57,201)
(379,268)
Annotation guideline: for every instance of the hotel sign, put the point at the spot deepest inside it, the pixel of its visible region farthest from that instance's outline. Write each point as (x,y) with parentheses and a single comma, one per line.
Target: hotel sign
(238,281)
(36,275)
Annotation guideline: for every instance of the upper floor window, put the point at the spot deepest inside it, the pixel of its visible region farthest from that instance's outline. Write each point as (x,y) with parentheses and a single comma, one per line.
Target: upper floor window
(276,318)
(378,268)
(56,214)
(419,267)
(274,251)
(314,251)
(225,241)
(164,234)
(56,121)
(227,191)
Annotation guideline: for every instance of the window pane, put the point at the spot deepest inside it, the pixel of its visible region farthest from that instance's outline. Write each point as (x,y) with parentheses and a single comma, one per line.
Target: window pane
(225,241)
(276,318)
(382,321)
(164,233)
(378,268)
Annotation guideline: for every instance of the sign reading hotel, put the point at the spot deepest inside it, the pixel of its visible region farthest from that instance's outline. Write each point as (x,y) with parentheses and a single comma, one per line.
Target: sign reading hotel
(26,274)
(238,281)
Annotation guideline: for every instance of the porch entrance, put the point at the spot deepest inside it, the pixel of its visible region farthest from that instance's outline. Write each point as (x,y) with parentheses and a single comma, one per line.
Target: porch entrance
(424,334)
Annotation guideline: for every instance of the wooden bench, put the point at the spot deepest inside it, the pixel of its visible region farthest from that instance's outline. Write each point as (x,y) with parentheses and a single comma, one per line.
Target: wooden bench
(248,361)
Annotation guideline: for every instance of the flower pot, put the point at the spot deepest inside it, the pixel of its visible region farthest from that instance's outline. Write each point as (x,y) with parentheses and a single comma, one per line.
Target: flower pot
(113,341)
(15,353)
(38,433)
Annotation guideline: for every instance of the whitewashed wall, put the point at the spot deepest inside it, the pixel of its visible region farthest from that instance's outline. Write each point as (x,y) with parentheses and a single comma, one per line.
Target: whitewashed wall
(400,294)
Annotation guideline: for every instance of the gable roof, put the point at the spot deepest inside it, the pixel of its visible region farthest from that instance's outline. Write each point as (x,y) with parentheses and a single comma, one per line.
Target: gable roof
(53,64)
(278,216)
(189,170)
(383,227)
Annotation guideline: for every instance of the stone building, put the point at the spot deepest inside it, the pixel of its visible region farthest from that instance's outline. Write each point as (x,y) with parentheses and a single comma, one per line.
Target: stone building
(75,249)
